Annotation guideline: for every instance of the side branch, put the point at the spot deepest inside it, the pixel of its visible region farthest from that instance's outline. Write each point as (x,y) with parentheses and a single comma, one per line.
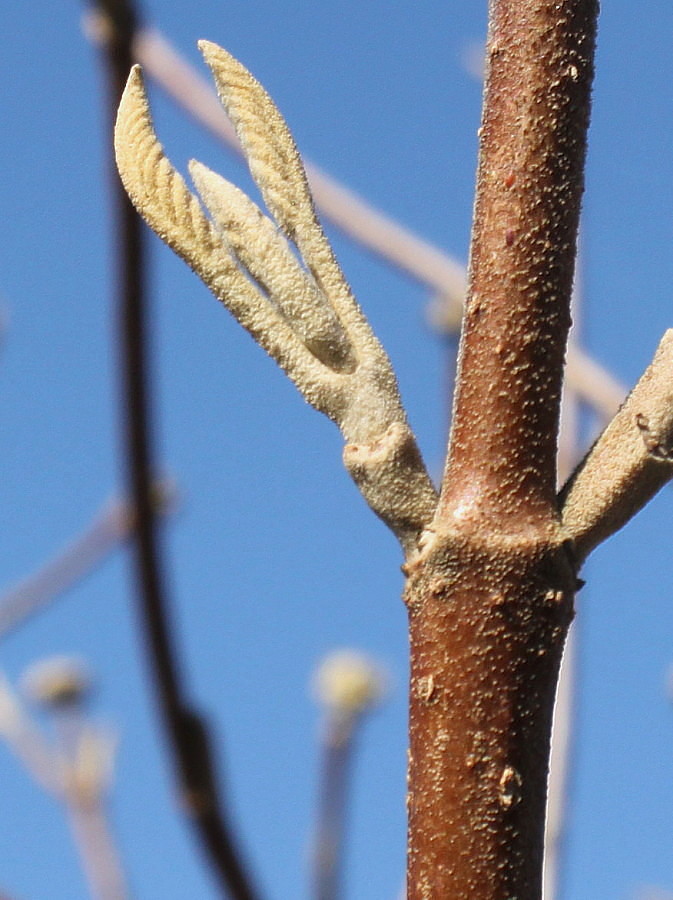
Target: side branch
(530,182)
(112,526)
(628,464)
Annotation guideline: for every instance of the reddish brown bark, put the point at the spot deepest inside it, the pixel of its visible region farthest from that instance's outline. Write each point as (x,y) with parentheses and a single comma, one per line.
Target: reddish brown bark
(490,592)
(530,182)
(487,630)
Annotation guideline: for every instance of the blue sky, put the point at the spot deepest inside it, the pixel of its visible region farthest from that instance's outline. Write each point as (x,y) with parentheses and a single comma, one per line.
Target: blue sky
(274,559)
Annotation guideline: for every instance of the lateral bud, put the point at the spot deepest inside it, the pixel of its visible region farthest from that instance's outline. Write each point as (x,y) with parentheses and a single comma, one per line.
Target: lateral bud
(390,474)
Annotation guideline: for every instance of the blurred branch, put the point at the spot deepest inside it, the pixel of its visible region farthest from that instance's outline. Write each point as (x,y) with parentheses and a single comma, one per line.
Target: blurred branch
(26,741)
(100,860)
(83,758)
(562,741)
(561,757)
(189,739)
(76,771)
(337,750)
(592,383)
(347,686)
(4,321)
(111,526)
(426,264)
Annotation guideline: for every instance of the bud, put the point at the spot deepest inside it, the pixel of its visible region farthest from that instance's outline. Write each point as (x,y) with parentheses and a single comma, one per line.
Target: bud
(58,682)
(348,683)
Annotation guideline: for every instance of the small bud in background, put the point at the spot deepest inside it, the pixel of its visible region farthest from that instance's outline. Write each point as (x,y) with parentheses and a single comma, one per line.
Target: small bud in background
(58,682)
(348,682)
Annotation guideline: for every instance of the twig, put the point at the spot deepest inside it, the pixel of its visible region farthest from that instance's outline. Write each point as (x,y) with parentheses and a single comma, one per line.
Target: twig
(522,260)
(562,743)
(85,792)
(593,384)
(26,741)
(337,755)
(98,853)
(82,759)
(111,526)
(561,757)
(189,739)
(426,264)
(630,461)
(347,686)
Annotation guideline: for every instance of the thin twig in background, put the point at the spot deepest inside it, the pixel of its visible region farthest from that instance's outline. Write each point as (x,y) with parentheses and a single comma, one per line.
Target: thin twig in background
(91,833)
(337,749)
(186,729)
(111,526)
(347,686)
(76,772)
(26,741)
(426,264)
(83,760)
(562,742)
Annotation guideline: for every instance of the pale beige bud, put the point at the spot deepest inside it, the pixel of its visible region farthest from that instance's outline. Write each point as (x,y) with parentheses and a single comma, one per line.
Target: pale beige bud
(58,681)
(348,682)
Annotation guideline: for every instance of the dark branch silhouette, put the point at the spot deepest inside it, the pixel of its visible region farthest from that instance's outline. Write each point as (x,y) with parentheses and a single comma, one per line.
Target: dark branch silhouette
(186,729)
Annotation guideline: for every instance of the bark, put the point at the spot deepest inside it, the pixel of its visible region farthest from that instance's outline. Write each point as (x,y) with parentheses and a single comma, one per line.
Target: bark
(490,591)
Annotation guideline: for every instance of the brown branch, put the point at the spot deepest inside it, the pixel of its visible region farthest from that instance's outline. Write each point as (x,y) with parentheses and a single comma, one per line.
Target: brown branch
(530,183)
(189,740)
(490,592)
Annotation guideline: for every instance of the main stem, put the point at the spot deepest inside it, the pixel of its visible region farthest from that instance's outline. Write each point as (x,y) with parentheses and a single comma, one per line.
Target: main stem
(490,591)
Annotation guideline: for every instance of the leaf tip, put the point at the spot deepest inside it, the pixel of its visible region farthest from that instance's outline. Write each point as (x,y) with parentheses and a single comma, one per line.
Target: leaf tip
(213,53)
(202,176)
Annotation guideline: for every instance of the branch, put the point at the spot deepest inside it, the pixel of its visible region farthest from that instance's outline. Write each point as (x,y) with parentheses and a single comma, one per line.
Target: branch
(490,593)
(301,312)
(26,741)
(83,756)
(187,731)
(592,383)
(628,464)
(113,525)
(533,141)
(348,686)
